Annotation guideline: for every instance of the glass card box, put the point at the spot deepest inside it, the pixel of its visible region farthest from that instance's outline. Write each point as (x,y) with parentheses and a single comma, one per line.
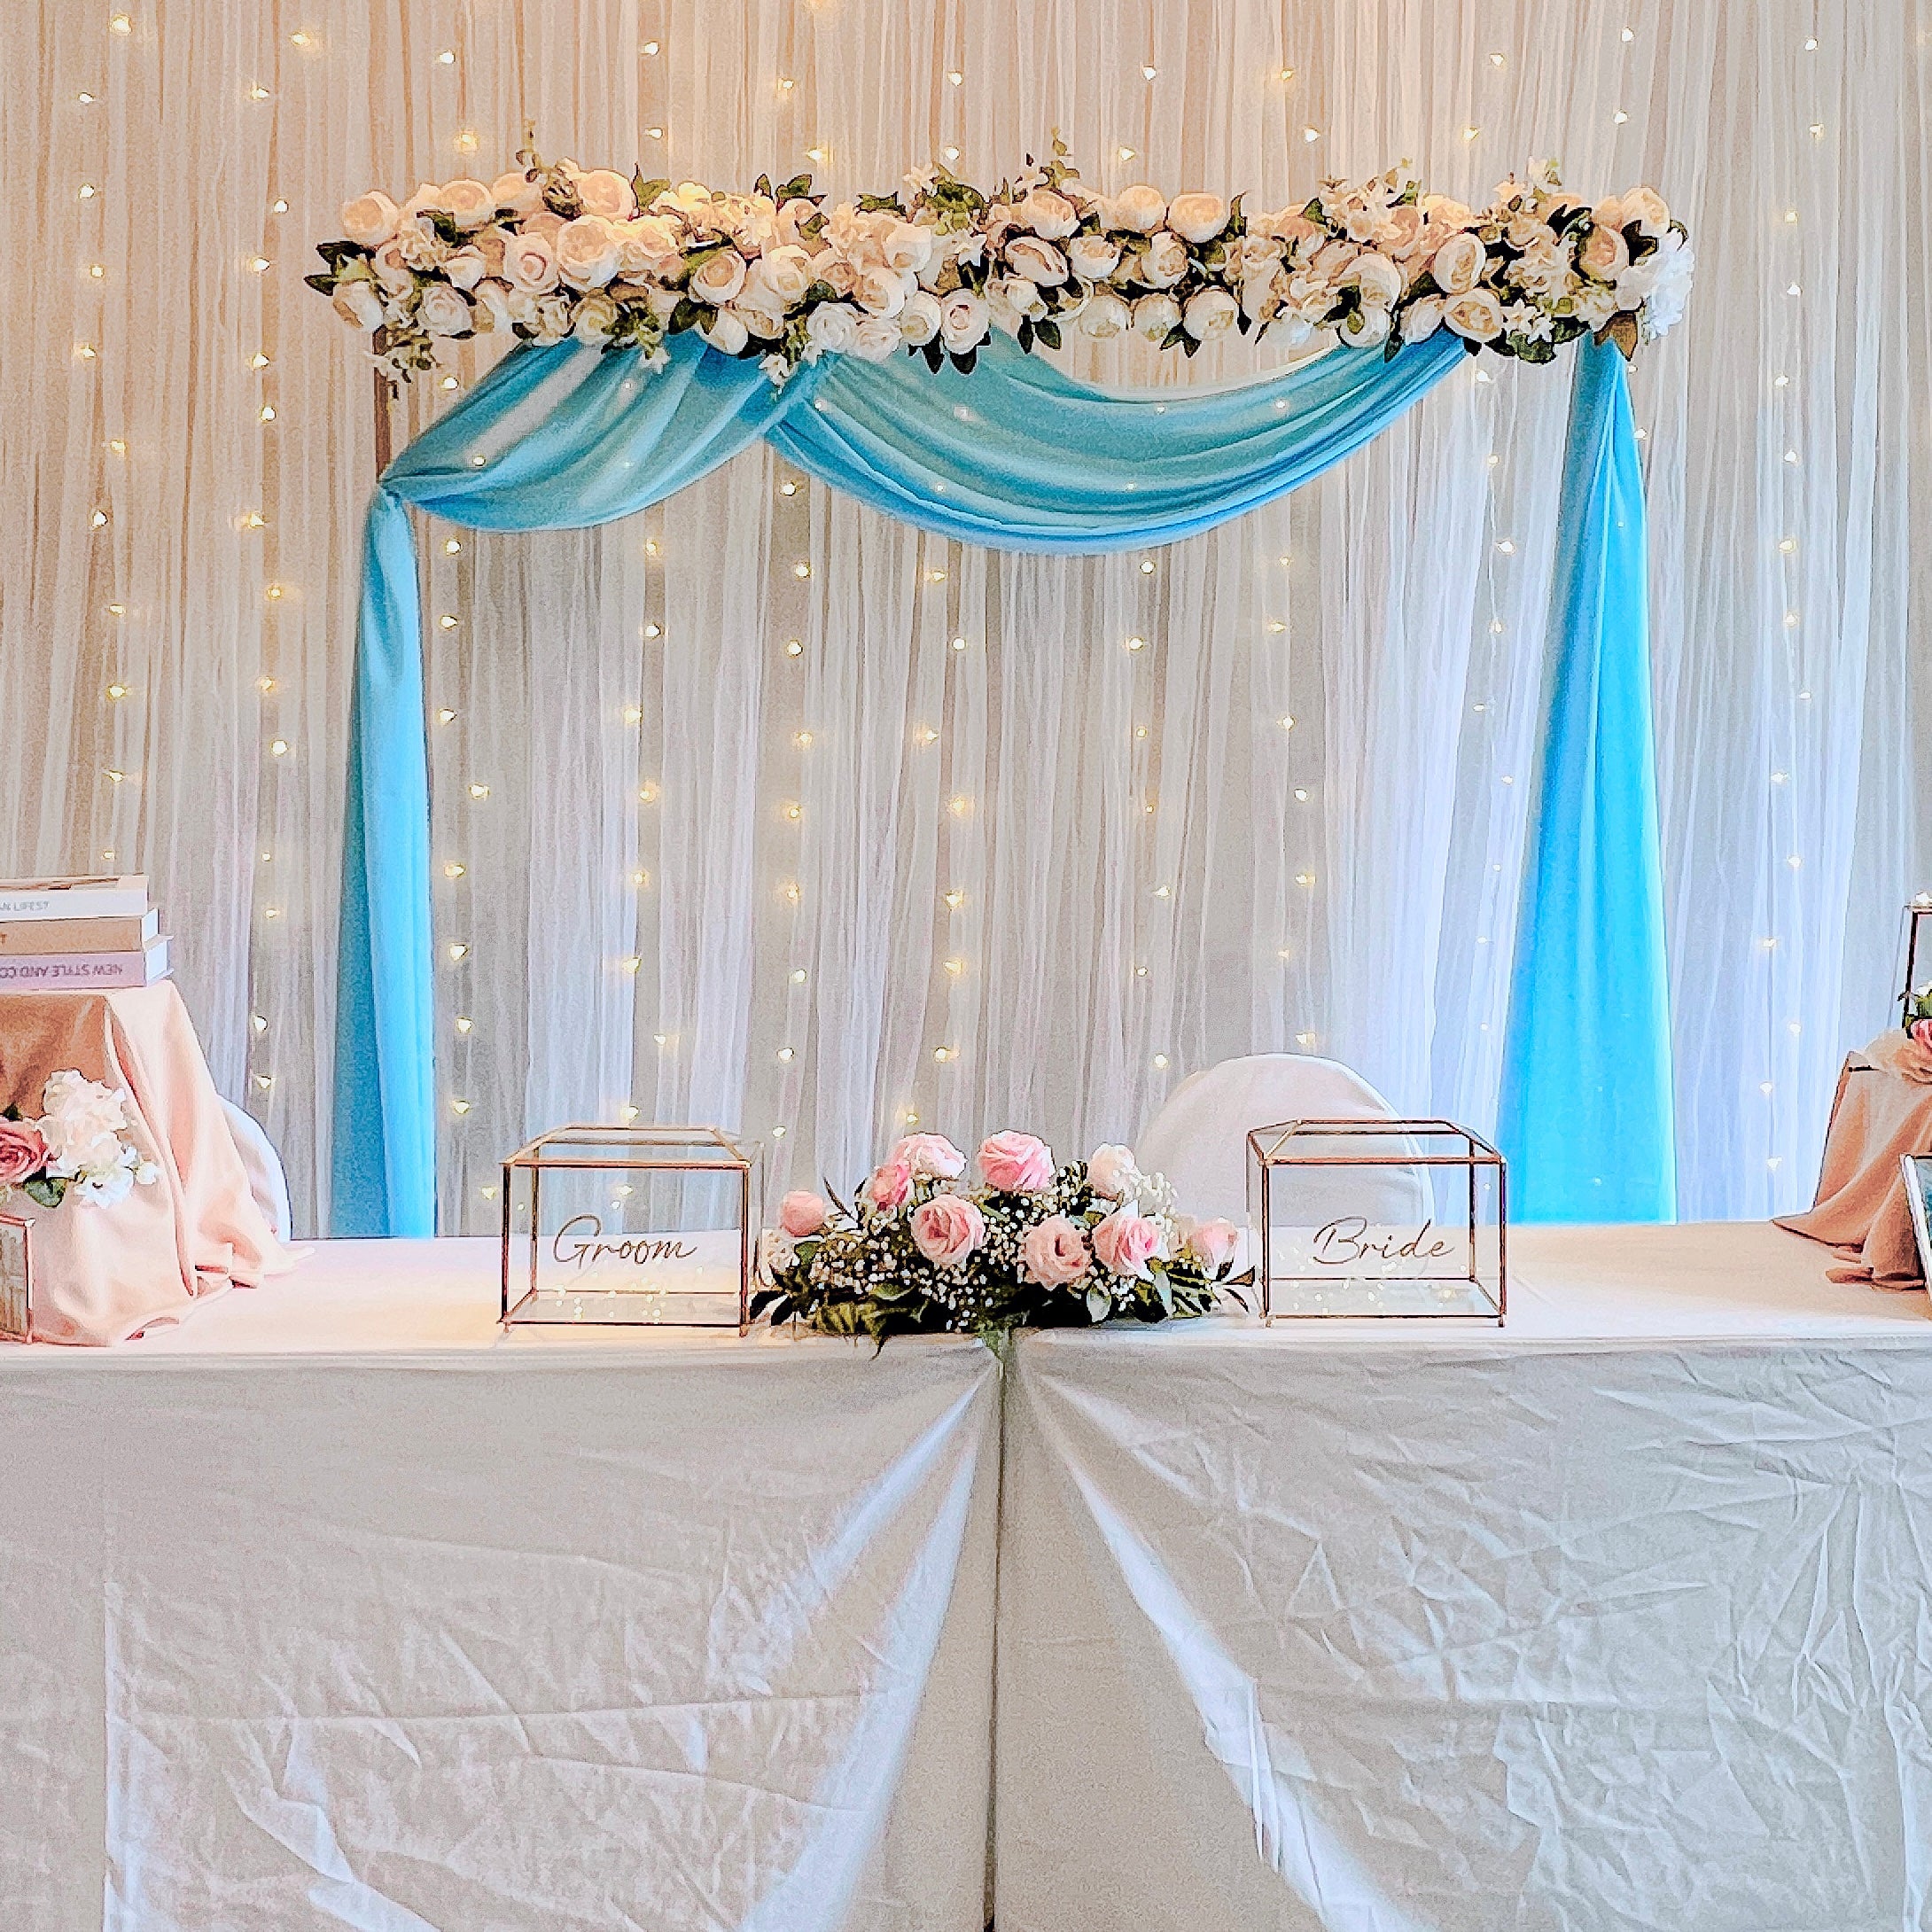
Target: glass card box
(631,1226)
(1357,1218)
(16,1278)
(1918,935)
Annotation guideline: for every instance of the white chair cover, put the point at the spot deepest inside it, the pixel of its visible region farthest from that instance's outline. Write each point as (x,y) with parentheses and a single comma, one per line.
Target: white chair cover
(267,1181)
(1199,1138)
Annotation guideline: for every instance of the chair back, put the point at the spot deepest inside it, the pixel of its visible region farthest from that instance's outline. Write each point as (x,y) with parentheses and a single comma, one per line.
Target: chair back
(267,1181)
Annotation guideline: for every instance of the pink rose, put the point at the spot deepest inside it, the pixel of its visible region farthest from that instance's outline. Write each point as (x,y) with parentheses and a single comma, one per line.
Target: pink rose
(1126,1242)
(23,1152)
(947,1229)
(1211,1243)
(1921,1034)
(890,1185)
(1054,1252)
(1016,1163)
(800,1214)
(929,1156)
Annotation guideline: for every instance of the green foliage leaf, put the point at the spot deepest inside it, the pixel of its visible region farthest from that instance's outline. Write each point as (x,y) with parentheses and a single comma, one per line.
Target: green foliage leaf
(323,284)
(797,189)
(1047,333)
(46,1189)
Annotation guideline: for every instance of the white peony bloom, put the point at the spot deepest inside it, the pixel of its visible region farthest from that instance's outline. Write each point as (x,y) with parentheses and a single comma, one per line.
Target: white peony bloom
(1670,289)
(725,332)
(1210,313)
(1458,264)
(1139,209)
(471,202)
(907,247)
(1093,257)
(1157,317)
(1422,318)
(604,193)
(962,321)
(919,319)
(1015,300)
(1197,217)
(1049,214)
(369,220)
(832,327)
(1378,278)
(718,278)
(1164,263)
(587,252)
(358,304)
(647,245)
(880,290)
(1105,315)
(1365,328)
(444,311)
(876,339)
(517,192)
(1477,315)
(1039,261)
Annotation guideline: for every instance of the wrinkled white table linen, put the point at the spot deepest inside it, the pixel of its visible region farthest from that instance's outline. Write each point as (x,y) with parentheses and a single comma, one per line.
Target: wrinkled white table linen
(335,1609)
(1618,1618)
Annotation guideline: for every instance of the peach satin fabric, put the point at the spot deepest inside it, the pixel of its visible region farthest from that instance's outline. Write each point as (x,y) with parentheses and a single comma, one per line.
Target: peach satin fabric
(102,1275)
(1883,1109)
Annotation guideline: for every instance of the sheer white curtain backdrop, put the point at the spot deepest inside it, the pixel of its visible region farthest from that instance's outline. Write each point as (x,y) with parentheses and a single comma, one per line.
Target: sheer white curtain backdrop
(761,809)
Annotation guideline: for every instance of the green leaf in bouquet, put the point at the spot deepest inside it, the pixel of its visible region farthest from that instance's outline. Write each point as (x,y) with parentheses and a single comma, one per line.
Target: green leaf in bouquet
(1047,333)
(45,1189)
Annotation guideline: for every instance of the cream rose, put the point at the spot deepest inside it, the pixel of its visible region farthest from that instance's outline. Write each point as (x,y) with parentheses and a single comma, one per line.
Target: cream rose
(1111,1170)
(1605,253)
(1164,263)
(530,264)
(832,327)
(1378,278)
(1139,209)
(792,217)
(1478,317)
(962,321)
(946,1230)
(606,193)
(1157,317)
(906,247)
(465,267)
(1646,207)
(587,252)
(876,339)
(369,220)
(647,245)
(493,305)
(1365,328)
(517,190)
(725,332)
(471,202)
(1400,234)
(1210,313)
(1422,318)
(444,311)
(358,304)
(1093,257)
(1105,315)
(718,278)
(779,280)
(1054,1252)
(919,319)
(879,291)
(1197,217)
(1049,214)
(1457,265)
(1016,299)
(1039,261)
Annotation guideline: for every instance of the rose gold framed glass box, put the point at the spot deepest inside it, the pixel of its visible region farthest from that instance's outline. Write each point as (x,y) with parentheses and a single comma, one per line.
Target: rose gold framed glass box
(1364,1217)
(643,1226)
(1918,921)
(16,1279)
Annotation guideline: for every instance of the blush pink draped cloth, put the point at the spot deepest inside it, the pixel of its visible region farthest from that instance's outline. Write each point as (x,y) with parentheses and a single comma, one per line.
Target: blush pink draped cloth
(1883,1109)
(102,1275)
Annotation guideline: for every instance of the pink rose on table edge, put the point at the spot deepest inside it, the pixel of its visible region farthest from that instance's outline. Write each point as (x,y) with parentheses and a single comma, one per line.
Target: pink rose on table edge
(1213,1243)
(1054,1252)
(23,1152)
(801,1214)
(946,1230)
(890,1185)
(1126,1242)
(1921,1034)
(1016,1163)
(1110,1170)
(930,1156)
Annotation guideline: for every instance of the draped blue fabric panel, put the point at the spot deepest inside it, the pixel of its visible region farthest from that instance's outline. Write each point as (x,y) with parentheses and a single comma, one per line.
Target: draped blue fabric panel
(1014,456)
(1586,1120)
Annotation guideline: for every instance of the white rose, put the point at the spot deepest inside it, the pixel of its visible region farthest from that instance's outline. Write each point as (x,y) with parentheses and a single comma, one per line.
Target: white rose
(1197,217)
(1049,214)
(919,319)
(1210,313)
(369,220)
(879,292)
(1442,213)
(1093,257)
(1259,296)
(1400,234)
(1111,1170)
(358,304)
(587,252)
(831,268)
(1595,302)
(726,333)
(1477,315)
(1457,265)
(517,190)
(906,247)
(791,218)
(1164,263)
(1289,332)
(494,297)
(1015,300)
(1378,278)
(718,277)
(471,202)
(444,311)
(554,317)
(647,245)
(597,316)
(760,322)
(1365,328)
(391,270)
(1140,209)
(1605,253)
(529,264)
(1105,314)
(962,321)
(876,339)
(83,1124)
(1039,261)
(604,193)
(465,267)
(1157,317)
(832,327)
(1422,318)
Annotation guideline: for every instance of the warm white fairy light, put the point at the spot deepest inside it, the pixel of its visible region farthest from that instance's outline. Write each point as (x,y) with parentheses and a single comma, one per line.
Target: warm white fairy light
(457,950)
(454,869)
(480,791)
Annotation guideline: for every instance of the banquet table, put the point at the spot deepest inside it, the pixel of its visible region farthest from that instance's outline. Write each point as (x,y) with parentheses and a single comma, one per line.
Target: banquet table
(333,1606)
(1618,1617)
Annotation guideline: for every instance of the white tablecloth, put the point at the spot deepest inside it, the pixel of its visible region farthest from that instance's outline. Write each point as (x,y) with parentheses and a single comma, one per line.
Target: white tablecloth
(1619,1618)
(333,1609)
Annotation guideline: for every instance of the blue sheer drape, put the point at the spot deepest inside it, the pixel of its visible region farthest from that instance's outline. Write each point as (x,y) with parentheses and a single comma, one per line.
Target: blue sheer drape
(1016,456)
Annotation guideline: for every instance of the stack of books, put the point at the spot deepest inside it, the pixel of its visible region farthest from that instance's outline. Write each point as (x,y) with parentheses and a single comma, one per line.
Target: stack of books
(86,935)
